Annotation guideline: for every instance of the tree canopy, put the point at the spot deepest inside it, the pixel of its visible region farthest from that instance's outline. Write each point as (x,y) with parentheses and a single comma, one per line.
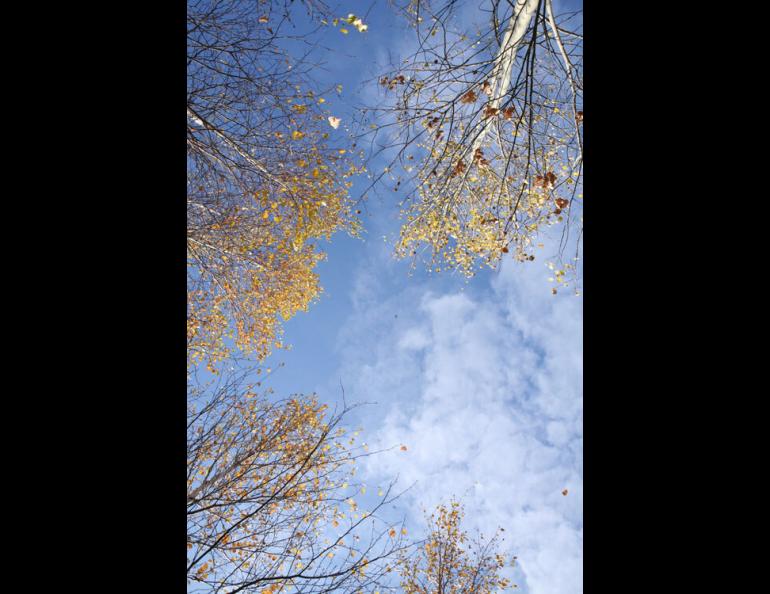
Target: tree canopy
(267,177)
(487,119)
(486,116)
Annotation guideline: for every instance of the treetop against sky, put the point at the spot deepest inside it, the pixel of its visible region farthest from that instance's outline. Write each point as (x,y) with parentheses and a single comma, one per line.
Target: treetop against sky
(365,187)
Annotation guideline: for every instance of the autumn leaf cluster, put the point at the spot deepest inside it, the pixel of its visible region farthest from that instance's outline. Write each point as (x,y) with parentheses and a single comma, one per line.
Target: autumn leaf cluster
(449,562)
(267,180)
(489,128)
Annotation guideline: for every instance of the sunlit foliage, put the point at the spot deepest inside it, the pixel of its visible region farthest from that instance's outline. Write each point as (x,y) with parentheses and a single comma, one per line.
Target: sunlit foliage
(271,497)
(448,562)
(488,122)
(267,175)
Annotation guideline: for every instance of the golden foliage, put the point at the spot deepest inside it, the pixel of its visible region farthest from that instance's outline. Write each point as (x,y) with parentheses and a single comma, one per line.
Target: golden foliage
(489,138)
(471,208)
(267,499)
(267,178)
(251,234)
(446,564)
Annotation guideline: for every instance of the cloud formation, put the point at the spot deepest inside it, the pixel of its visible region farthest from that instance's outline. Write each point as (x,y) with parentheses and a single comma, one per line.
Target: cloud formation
(485,389)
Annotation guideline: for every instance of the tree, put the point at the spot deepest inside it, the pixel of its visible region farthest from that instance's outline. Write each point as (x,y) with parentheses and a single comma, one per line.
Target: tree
(487,119)
(267,175)
(448,563)
(269,507)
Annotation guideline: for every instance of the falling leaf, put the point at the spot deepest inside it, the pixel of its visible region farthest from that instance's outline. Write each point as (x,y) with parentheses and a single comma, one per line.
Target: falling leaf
(263,19)
(403,448)
(357,23)
(334,122)
(565,492)
(343,30)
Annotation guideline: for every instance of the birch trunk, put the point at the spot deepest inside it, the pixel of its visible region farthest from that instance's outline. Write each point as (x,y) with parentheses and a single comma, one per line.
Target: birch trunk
(518,25)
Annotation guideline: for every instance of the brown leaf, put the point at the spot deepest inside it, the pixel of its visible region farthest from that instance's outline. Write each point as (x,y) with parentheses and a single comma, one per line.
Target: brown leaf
(458,169)
(469,97)
(547,181)
(478,157)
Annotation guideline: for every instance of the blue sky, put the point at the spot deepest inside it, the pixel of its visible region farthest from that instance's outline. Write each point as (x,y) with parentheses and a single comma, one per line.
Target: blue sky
(481,379)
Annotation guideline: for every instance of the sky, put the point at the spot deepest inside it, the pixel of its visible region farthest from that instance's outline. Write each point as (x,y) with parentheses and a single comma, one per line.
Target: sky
(480,379)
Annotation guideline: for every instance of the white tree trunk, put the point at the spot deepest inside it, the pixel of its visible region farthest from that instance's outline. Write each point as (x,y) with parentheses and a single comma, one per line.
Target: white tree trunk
(501,72)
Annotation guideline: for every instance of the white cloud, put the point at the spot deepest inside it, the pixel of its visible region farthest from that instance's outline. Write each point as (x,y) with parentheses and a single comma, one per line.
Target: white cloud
(485,389)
